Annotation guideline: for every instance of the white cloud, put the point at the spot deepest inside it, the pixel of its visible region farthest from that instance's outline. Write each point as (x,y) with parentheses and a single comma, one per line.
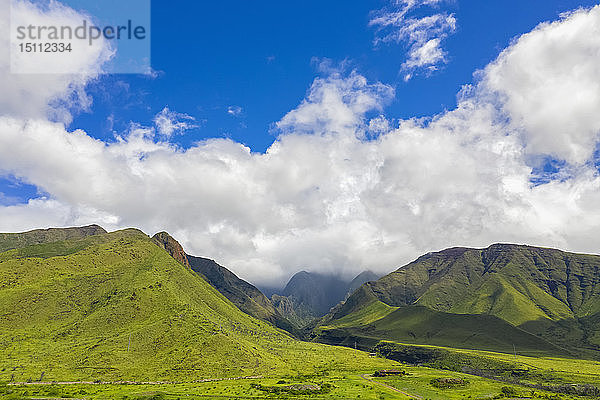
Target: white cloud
(336,104)
(169,122)
(548,84)
(379,125)
(323,197)
(422,35)
(52,94)
(234,110)
(47,213)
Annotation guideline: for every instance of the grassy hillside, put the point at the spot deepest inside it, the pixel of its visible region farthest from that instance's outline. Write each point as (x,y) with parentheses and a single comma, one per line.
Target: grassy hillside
(117,306)
(492,298)
(361,279)
(421,325)
(241,293)
(10,241)
(111,307)
(539,282)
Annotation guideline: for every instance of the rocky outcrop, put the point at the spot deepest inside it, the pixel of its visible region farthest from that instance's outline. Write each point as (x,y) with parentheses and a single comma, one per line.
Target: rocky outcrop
(172,246)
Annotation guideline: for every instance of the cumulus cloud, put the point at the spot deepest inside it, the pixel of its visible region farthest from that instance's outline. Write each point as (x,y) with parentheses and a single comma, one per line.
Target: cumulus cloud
(27,93)
(422,35)
(339,191)
(548,84)
(169,122)
(336,104)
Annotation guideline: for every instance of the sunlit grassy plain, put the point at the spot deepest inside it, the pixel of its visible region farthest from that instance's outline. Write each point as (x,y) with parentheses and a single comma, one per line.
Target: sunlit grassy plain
(344,386)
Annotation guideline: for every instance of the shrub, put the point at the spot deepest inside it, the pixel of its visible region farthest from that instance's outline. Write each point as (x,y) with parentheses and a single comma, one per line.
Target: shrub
(448,383)
(508,391)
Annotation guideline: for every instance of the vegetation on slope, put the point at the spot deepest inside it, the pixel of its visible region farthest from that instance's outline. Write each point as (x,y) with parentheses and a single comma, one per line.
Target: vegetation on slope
(491,298)
(241,293)
(110,307)
(10,241)
(516,283)
(116,306)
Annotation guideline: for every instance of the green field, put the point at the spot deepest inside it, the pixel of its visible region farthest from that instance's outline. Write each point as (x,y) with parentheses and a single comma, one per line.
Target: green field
(417,383)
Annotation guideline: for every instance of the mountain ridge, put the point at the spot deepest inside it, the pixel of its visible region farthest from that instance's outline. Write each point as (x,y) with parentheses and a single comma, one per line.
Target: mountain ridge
(9,241)
(548,293)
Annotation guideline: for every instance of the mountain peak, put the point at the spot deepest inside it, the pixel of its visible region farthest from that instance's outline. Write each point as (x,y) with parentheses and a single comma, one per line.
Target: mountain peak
(172,246)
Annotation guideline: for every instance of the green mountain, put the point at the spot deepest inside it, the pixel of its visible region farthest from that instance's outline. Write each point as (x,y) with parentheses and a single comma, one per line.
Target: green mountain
(539,300)
(241,293)
(114,306)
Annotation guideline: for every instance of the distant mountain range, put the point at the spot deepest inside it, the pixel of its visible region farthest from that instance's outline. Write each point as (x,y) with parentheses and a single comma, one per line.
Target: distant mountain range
(310,295)
(503,298)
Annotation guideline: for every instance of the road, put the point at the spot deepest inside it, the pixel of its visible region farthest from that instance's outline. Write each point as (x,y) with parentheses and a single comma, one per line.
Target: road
(412,396)
(130,382)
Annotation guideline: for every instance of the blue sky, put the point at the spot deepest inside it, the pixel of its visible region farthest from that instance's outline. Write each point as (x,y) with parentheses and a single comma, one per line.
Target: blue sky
(260,56)
(373,157)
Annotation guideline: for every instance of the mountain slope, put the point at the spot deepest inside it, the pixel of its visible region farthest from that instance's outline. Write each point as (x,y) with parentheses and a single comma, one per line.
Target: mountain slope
(552,294)
(117,306)
(10,241)
(367,323)
(318,292)
(538,282)
(241,293)
(171,246)
(361,279)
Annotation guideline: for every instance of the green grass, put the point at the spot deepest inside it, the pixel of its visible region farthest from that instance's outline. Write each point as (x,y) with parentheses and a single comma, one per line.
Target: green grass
(530,373)
(343,386)
(514,301)
(419,382)
(376,321)
(119,307)
(366,315)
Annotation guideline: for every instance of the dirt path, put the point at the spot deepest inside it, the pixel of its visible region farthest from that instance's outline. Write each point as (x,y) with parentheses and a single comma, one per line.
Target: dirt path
(412,396)
(131,382)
